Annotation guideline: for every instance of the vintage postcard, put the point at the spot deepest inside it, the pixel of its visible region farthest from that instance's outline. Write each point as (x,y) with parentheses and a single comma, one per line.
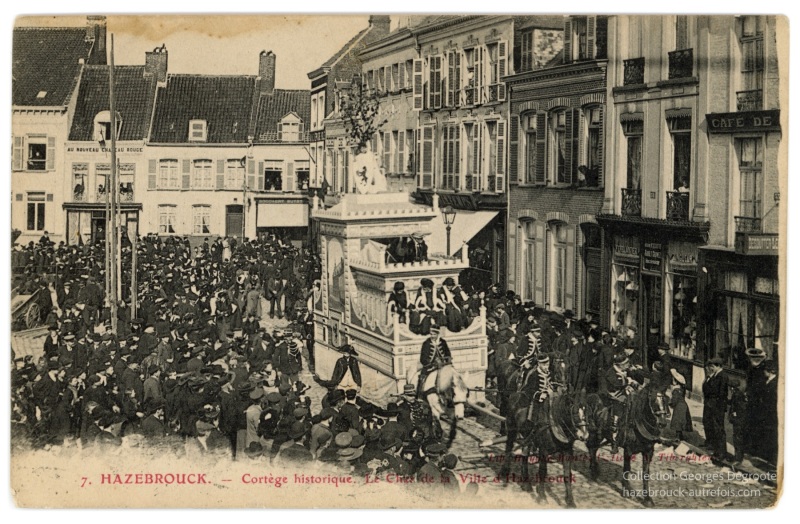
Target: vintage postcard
(411,261)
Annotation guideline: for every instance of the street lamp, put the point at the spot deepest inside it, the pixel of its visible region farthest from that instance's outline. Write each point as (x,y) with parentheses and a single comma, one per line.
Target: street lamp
(449,216)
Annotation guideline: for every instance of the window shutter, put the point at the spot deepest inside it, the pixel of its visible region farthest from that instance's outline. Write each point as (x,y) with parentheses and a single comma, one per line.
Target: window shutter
(512,258)
(50,164)
(567,41)
(502,66)
(260,177)
(478,75)
(451,76)
(513,150)
(300,131)
(401,76)
(539,268)
(387,84)
(401,154)
(387,151)
(427,156)
(457,79)
(571,160)
(251,173)
(289,176)
(540,174)
(569,284)
(280,132)
(456,130)
(417,88)
(600,148)
(186,172)
(500,181)
(591,31)
(417,153)
(17,154)
(220,174)
(152,165)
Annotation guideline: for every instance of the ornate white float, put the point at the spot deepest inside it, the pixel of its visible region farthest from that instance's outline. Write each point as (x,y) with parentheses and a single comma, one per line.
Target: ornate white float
(357,281)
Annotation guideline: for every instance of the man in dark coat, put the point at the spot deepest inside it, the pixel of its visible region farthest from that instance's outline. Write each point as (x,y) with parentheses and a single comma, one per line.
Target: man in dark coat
(346,372)
(715,404)
(435,354)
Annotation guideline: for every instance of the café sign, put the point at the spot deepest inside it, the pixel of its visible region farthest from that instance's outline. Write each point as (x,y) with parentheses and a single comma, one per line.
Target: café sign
(744,121)
(757,244)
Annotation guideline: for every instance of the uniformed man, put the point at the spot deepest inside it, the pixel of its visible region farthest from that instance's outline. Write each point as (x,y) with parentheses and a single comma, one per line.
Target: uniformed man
(434,356)
(617,386)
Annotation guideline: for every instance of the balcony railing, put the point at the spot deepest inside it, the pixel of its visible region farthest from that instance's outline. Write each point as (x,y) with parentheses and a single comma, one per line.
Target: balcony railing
(681,63)
(126,194)
(631,202)
(633,71)
(469,95)
(677,205)
(748,224)
(274,136)
(749,100)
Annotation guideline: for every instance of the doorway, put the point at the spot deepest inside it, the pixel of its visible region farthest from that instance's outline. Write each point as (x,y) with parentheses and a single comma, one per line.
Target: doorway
(234,220)
(652,316)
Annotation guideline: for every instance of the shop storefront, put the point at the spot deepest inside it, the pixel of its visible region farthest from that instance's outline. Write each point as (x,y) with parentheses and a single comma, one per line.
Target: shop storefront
(654,296)
(742,304)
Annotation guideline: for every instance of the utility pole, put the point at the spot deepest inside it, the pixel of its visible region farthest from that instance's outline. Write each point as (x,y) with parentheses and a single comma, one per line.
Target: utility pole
(113,192)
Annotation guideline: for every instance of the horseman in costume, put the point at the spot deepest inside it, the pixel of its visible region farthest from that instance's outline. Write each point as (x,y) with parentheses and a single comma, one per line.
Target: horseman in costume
(618,384)
(536,382)
(434,356)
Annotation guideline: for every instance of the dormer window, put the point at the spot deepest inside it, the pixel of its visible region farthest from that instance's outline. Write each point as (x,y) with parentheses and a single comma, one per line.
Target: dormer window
(198,131)
(102,126)
(290,128)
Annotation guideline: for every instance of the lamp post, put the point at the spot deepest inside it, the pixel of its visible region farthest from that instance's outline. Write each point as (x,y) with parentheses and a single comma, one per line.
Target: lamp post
(449,216)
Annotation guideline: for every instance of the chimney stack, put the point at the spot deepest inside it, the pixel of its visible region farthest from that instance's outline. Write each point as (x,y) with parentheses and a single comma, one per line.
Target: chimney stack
(266,72)
(380,23)
(155,63)
(96,32)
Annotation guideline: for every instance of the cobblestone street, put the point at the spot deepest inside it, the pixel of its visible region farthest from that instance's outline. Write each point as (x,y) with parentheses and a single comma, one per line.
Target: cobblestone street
(681,481)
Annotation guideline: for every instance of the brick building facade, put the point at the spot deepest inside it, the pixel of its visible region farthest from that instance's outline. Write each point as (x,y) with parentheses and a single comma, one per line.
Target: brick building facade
(556,168)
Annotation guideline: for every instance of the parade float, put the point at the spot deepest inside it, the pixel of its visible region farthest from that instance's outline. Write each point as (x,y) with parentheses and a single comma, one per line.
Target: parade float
(357,280)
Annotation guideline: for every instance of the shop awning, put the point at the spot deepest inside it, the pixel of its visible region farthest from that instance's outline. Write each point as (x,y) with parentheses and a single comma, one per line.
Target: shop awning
(467,224)
(271,214)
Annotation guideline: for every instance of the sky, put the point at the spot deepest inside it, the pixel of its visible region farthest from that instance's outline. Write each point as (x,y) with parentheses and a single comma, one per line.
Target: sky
(226,44)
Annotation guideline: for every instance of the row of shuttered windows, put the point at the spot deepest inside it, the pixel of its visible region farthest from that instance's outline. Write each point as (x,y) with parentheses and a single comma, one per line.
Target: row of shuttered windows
(230,174)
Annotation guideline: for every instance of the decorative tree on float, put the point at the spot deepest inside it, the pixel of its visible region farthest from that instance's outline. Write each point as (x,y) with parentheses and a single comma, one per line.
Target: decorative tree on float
(362,117)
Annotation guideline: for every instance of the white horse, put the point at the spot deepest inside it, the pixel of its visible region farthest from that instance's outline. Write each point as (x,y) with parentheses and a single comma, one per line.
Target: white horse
(444,385)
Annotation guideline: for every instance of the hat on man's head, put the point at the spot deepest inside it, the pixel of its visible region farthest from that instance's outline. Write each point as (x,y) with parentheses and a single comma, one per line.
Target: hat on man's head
(543,358)
(449,282)
(621,359)
(399,286)
(426,283)
(409,390)
(348,349)
(450,461)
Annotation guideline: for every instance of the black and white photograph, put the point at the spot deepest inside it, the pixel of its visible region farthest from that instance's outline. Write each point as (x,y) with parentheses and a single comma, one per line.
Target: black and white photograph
(398,260)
